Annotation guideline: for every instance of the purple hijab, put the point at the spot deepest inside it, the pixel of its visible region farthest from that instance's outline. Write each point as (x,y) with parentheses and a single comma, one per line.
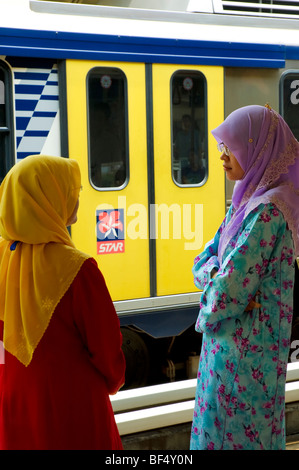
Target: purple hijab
(268,152)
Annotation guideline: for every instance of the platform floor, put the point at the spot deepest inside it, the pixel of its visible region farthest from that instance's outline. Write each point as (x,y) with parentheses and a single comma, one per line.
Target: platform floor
(178,437)
(292,442)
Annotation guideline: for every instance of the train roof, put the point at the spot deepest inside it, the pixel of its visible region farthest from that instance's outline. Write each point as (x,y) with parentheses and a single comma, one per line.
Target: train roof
(202,31)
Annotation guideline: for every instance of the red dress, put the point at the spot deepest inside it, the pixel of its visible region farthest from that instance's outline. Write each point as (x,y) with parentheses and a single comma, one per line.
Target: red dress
(61,400)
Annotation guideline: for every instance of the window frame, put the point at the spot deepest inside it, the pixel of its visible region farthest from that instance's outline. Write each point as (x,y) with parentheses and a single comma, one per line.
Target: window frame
(191,73)
(126,128)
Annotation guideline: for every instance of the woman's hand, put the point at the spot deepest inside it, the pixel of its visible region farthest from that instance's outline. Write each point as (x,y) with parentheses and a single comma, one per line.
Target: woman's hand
(213,273)
(253,304)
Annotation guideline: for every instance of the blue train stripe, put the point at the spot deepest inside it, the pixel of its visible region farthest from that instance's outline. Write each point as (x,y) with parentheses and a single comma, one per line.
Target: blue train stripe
(49,83)
(65,45)
(31,76)
(29,89)
(44,114)
(22,155)
(28,105)
(49,97)
(36,133)
(22,122)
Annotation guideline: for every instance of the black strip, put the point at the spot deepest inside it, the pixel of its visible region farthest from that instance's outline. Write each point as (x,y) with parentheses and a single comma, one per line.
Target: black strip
(64,142)
(151,179)
(64,130)
(7,131)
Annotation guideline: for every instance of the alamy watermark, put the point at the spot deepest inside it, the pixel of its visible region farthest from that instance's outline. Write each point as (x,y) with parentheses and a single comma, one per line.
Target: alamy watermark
(159,221)
(294,357)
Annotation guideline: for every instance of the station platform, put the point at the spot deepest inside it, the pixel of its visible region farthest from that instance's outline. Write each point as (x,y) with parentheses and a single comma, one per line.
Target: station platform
(293,444)
(178,437)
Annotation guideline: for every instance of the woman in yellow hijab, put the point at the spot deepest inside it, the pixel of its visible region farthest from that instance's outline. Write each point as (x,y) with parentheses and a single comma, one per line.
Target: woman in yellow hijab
(59,328)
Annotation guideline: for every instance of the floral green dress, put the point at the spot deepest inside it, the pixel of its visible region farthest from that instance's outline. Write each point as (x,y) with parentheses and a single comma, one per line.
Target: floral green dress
(240,396)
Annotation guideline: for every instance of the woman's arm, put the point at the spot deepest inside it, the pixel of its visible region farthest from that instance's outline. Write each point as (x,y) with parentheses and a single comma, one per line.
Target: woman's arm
(234,286)
(206,264)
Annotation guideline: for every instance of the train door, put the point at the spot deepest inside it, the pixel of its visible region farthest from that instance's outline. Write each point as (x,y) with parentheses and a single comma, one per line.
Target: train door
(189,181)
(106,112)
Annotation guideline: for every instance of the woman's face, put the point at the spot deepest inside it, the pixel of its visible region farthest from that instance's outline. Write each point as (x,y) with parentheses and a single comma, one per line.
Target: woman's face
(231,166)
(73,218)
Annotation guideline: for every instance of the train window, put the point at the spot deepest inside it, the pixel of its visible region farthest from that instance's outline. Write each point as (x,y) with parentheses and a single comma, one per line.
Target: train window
(289,99)
(6,122)
(189,128)
(107,127)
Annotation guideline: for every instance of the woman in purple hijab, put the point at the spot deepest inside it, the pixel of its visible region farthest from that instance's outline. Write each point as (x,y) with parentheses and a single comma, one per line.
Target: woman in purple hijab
(247,275)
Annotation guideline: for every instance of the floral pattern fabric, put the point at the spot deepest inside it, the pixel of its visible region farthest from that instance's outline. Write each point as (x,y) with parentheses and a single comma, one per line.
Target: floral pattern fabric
(240,394)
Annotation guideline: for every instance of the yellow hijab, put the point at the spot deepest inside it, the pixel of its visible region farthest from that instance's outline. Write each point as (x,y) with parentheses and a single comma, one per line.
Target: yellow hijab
(37,198)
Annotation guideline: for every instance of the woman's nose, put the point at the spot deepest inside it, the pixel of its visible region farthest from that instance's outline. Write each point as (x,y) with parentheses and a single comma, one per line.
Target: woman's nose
(224,156)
